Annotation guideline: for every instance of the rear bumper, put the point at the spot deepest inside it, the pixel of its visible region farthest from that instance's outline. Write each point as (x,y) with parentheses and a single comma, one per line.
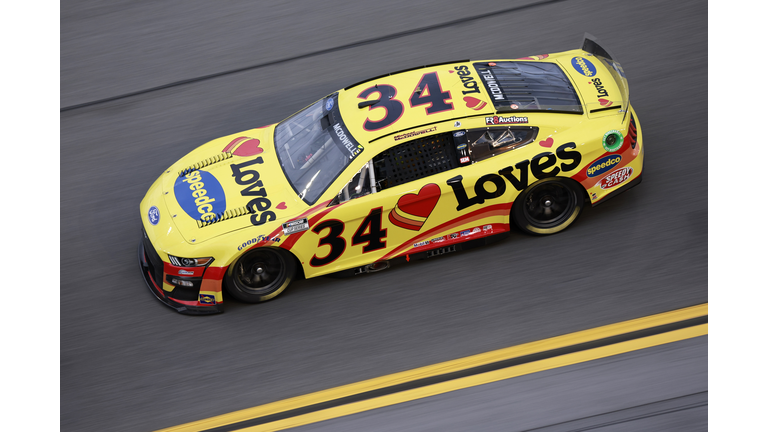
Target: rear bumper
(624,188)
(151,267)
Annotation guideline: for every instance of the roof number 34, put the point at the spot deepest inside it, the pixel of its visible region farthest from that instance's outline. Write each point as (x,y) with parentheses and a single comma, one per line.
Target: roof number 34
(427,92)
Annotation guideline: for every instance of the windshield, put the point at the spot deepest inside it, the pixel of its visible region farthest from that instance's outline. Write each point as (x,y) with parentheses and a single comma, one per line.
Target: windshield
(314,147)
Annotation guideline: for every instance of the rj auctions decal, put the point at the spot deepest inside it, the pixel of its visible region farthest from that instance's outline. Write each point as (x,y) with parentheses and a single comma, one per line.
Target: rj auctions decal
(495,120)
(616,178)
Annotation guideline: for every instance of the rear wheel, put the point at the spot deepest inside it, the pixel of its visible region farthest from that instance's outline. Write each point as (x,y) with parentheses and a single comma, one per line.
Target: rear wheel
(260,274)
(548,206)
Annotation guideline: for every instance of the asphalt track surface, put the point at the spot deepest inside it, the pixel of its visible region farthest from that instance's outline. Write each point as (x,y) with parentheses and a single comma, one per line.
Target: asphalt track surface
(128,363)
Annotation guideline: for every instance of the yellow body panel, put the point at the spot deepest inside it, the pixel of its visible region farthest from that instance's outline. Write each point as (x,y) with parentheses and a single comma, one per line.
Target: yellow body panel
(222,177)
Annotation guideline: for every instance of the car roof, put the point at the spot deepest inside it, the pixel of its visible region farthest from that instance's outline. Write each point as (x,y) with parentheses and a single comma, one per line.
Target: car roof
(403,84)
(469,96)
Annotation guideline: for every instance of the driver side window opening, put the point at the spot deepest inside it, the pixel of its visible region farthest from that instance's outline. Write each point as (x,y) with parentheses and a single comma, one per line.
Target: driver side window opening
(414,160)
(401,164)
(493,141)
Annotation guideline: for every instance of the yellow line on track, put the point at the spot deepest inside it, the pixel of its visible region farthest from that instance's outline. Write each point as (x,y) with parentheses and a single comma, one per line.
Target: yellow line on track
(480,379)
(459,365)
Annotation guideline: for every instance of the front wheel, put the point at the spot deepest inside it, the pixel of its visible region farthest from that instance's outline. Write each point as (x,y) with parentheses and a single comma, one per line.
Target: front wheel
(260,274)
(548,206)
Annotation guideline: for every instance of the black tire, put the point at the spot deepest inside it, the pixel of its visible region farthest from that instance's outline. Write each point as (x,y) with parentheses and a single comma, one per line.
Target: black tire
(260,274)
(548,206)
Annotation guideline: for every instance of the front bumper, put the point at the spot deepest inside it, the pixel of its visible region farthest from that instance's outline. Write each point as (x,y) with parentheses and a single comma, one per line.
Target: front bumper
(151,266)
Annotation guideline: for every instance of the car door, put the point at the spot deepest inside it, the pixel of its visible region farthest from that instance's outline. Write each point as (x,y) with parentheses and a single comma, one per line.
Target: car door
(401,202)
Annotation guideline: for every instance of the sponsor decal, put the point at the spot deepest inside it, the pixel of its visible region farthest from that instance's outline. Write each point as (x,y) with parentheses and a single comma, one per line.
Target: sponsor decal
(612,140)
(594,196)
(465,159)
(353,149)
(153,215)
(616,67)
(259,206)
(605,102)
(514,106)
(601,91)
(488,228)
(412,210)
(465,233)
(454,235)
(474,103)
(602,165)
(492,185)
(420,244)
(414,133)
(295,226)
(583,66)
(257,240)
(616,178)
(475,230)
(244,146)
(207,299)
(492,85)
(461,146)
(496,120)
(547,142)
(438,240)
(186,272)
(457,124)
(200,195)
(459,134)
(281,206)
(470,84)
(329,104)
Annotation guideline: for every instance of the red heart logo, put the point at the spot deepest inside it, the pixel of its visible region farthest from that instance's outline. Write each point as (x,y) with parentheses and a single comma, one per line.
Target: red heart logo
(547,142)
(412,210)
(281,206)
(249,148)
(474,103)
(605,102)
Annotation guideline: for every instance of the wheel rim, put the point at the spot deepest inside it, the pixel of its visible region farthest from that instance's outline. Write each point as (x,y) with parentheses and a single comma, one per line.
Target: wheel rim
(260,272)
(549,205)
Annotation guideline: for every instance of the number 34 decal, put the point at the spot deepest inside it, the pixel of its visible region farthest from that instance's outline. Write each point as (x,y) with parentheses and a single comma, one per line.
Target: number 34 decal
(427,92)
(369,233)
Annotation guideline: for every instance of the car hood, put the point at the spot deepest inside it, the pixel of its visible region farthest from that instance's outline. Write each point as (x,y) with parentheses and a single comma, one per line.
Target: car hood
(228,184)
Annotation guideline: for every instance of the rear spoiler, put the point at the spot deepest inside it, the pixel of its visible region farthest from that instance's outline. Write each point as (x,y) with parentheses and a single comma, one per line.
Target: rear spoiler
(590,45)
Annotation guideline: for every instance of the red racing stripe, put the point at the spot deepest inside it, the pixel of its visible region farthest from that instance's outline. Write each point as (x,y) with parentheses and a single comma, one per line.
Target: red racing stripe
(494,210)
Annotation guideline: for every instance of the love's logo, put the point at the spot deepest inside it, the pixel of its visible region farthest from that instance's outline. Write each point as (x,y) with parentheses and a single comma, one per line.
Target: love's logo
(412,210)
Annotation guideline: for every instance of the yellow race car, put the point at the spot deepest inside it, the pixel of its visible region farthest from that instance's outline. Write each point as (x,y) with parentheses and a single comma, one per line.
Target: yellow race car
(404,166)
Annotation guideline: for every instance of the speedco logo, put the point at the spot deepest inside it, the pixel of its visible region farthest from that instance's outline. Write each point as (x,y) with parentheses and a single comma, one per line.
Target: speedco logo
(200,195)
(602,165)
(583,66)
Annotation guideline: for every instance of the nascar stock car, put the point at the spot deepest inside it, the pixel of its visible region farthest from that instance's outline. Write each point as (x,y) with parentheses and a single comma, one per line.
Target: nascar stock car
(406,165)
